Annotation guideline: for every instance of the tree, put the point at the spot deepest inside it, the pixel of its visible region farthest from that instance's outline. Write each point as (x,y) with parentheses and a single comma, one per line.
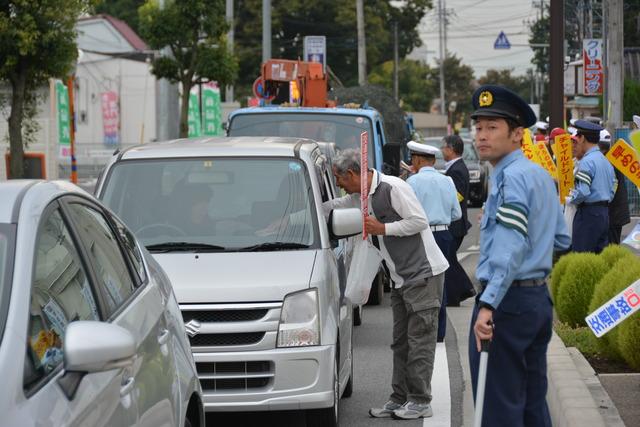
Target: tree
(457,83)
(415,86)
(37,42)
(126,10)
(631,23)
(518,84)
(195,31)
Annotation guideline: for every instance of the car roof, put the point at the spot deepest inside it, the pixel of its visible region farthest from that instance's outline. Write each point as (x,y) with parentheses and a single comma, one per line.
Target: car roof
(12,193)
(221,147)
(343,111)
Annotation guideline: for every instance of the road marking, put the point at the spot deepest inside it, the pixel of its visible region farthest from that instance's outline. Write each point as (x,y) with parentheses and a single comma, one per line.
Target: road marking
(441,390)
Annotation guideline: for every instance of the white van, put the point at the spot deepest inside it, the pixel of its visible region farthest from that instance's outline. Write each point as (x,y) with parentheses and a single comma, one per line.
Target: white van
(237,224)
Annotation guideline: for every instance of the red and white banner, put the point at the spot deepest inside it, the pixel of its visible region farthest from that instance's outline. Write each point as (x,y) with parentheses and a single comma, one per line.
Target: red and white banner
(364,179)
(593,67)
(110,117)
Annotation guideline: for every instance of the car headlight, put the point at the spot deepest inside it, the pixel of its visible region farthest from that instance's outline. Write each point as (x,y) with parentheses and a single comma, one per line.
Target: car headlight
(300,320)
(474,174)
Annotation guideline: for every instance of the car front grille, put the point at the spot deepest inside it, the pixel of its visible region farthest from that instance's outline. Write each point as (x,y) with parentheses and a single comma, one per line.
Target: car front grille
(232,339)
(225,376)
(208,316)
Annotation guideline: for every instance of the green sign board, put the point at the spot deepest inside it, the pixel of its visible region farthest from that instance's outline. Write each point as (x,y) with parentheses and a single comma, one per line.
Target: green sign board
(211,110)
(193,118)
(64,122)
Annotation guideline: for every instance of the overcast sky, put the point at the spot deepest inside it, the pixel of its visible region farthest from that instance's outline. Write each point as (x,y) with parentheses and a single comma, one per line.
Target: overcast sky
(474,26)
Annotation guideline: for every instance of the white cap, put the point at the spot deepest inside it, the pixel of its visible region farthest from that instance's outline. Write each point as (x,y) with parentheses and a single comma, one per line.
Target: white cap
(542,125)
(605,136)
(422,148)
(636,120)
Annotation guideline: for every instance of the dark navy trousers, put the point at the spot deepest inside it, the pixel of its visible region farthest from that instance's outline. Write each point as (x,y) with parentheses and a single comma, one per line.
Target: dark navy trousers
(590,229)
(445,242)
(516,388)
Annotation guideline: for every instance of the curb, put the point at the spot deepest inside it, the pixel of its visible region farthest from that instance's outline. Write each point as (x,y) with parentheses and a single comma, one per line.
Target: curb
(570,401)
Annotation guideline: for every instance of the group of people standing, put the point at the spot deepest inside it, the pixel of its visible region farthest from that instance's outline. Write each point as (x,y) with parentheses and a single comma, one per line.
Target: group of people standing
(420,224)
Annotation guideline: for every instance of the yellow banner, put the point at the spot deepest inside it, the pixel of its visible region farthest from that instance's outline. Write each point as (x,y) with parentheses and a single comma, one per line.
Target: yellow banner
(623,157)
(564,159)
(528,148)
(547,161)
(635,140)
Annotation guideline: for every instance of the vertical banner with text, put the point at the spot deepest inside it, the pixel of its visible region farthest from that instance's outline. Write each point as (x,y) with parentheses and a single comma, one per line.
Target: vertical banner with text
(193,115)
(110,118)
(528,149)
(624,158)
(564,165)
(593,67)
(364,180)
(211,110)
(545,157)
(64,121)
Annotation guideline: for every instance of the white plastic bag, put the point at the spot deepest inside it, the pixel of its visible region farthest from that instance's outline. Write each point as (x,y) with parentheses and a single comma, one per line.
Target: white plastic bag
(569,213)
(363,268)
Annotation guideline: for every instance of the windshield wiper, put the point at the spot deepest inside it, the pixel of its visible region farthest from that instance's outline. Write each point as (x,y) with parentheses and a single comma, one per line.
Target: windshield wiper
(184,247)
(273,246)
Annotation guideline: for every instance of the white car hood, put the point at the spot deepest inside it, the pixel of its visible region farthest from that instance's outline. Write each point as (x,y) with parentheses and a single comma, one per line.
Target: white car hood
(237,276)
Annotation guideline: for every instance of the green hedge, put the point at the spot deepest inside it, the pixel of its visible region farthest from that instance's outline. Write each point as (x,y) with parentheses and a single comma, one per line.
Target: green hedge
(576,287)
(613,253)
(558,272)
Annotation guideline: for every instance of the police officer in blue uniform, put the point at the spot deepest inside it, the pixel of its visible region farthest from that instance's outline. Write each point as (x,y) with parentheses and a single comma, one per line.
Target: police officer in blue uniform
(595,186)
(522,224)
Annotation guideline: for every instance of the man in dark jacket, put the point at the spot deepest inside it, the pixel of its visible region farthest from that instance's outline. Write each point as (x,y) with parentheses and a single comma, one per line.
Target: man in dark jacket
(458,285)
(619,206)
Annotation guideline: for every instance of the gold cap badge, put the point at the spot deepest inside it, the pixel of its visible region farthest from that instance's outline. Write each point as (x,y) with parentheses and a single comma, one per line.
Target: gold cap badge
(486,99)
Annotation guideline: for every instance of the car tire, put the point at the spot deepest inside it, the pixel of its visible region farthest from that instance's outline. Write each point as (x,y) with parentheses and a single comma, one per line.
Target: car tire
(357,315)
(327,417)
(377,290)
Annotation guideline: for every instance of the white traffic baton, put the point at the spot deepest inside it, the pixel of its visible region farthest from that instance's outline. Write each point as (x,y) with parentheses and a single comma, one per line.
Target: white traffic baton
(482,381)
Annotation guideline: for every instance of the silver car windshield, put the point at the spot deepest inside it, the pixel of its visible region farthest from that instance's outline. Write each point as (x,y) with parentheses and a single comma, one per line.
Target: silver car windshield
(215,203)
(6,266)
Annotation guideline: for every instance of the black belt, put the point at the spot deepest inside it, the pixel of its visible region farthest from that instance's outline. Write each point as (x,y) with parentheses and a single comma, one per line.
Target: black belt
(603,204)
(525,283)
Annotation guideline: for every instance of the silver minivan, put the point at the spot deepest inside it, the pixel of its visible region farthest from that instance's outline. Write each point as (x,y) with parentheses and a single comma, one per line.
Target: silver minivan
(238,225)
(90,330)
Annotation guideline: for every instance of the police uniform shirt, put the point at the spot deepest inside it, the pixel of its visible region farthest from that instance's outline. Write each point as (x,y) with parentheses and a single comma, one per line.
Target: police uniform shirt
(437,194)
(516,243)
(595,179)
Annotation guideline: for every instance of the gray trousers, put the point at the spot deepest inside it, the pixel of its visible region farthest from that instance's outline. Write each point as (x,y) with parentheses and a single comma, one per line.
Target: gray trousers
(415,325)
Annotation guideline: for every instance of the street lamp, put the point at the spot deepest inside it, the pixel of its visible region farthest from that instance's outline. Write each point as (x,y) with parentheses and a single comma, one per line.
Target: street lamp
(397,6)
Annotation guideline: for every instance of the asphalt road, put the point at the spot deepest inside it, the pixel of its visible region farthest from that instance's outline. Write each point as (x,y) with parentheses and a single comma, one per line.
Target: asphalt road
(372,357)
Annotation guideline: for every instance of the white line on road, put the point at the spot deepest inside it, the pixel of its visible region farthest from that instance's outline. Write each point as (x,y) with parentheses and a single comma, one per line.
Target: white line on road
(441,401)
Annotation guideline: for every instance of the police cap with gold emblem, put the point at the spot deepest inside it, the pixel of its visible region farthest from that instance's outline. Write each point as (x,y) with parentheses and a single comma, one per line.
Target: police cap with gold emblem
(498,101)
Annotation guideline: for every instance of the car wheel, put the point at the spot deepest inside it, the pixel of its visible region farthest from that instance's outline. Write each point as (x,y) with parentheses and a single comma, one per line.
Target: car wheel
(327,417)
(357,315)
(377,290)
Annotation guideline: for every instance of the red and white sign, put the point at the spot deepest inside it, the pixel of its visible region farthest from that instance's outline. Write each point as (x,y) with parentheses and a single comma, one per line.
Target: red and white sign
(110,117)
(364,180)
(593,68)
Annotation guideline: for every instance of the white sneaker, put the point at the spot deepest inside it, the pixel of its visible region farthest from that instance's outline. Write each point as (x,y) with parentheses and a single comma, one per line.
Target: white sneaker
(386,411)
(413,411)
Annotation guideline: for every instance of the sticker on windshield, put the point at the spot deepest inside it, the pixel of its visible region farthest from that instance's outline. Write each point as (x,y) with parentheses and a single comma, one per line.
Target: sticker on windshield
(359,120)
(207,163)
(294,166)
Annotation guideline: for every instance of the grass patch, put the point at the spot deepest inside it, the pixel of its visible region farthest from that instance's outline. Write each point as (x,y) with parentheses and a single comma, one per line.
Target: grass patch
(582,338)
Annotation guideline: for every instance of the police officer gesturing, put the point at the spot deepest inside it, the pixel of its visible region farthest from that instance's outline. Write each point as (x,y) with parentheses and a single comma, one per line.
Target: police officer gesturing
(521,225)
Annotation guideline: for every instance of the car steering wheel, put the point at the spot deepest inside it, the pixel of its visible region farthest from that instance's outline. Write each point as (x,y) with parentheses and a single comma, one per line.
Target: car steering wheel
(161,225)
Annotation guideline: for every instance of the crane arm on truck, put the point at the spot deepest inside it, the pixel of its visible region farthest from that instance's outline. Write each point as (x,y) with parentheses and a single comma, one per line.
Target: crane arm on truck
(309,77)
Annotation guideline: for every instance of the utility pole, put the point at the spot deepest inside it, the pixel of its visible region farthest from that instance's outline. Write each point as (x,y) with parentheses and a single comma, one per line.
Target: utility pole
(556,72)
(167,112)
(362,45)
(396,64)
(442,54)
(266,30)
(615,70)
(228,97)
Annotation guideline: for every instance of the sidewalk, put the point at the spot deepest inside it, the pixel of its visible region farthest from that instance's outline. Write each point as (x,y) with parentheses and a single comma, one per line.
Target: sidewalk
(573,388)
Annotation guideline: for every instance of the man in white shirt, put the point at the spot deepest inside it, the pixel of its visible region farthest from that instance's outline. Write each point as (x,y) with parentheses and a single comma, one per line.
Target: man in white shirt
(416,266)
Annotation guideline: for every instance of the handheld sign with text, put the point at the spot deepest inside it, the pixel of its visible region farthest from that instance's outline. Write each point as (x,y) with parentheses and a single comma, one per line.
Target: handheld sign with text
(624,158)
(546,159)
(615,311)
(528,148)
(564,159)
(364,182)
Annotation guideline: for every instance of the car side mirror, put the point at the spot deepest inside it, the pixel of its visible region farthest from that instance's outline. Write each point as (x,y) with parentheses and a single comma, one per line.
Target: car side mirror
(391,156)
(345,223)
(91,346)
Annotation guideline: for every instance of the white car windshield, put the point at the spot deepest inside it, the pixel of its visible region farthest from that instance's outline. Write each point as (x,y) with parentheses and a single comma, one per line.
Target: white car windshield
(215,203)
(6,261)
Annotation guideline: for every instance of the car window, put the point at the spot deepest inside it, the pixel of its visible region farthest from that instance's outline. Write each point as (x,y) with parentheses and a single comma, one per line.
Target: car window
(7,238)
(102,245)
(132,250)
(60,294)
(469,152)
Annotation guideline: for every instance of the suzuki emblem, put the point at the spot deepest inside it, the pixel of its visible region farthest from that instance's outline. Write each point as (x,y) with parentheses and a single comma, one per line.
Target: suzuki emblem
(192,327)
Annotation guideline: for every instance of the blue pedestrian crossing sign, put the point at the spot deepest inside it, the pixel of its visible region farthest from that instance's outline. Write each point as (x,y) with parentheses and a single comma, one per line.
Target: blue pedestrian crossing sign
(502,42)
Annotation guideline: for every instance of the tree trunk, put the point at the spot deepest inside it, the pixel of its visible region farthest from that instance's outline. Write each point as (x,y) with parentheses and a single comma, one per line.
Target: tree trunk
(184,108)
(18,87)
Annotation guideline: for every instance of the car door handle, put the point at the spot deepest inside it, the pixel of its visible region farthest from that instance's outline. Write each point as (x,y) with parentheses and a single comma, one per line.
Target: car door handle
(127,386)
(163,337)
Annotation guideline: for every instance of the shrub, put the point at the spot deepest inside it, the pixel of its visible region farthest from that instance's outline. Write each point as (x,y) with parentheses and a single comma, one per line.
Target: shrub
(582,338)
(558,271)
(613,253)
(576,287)
(622,274)
(628,340)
